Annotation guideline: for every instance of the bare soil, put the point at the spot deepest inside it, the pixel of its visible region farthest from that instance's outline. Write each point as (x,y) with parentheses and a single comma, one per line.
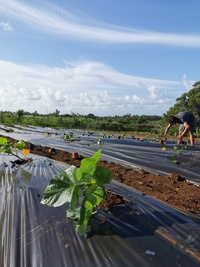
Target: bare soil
(172,189)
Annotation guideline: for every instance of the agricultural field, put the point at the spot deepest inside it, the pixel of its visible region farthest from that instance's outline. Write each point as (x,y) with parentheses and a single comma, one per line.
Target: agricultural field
(154,191)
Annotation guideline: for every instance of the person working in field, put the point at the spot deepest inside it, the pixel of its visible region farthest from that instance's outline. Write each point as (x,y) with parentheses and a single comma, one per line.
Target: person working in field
(187,125)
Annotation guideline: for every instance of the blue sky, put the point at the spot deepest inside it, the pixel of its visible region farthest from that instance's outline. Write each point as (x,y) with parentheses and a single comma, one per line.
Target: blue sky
(103,57)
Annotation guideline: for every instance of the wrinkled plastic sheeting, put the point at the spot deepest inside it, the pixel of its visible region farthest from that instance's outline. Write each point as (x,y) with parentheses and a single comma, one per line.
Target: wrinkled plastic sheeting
(147,155)
(143,232)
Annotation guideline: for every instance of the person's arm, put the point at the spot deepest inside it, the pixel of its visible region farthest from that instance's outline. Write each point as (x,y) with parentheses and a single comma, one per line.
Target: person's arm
(167,129)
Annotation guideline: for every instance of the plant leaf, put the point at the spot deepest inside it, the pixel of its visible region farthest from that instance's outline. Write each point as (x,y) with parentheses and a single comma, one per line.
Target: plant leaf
(3,141)
(103,175)
(74,214)
(88,166)
(61,188)
(20,145)
(82,224)
(94,198)
(75,197)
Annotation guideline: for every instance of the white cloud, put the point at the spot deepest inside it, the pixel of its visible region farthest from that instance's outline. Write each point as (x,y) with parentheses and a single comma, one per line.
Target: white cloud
(6,26)
(83,87)
(54,20)
(187,84)
(156,93)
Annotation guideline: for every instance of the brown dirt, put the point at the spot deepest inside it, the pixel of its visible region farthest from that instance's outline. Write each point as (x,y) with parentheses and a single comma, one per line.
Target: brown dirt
(171,189)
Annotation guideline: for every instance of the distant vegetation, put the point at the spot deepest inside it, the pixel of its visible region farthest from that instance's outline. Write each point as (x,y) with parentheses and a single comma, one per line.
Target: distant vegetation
(131,123)
(128,123)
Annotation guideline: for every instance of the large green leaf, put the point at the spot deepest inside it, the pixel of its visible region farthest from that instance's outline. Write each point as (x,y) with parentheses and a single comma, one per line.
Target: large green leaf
(103,175)
(61,188)
(88,166)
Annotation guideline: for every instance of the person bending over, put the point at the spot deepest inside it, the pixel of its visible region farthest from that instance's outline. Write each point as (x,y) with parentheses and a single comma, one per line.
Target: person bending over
(187,125)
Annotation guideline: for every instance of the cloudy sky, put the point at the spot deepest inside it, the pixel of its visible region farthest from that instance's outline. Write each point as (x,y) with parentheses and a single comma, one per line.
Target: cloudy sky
(103,57)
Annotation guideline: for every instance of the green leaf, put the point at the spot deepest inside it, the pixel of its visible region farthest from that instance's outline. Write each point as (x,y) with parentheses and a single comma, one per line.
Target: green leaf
(88,166)
(94,194)
(8,150)
(82,224)
(93,200)
(75,197)
(61,188)
(103,175)
(5,145)
(3,141)
(74,214)
(20,145)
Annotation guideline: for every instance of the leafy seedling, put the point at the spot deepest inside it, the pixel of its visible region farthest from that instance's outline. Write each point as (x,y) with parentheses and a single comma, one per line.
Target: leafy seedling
(180,152)
(174,159)
(83,188)
(99,141)
(7,147)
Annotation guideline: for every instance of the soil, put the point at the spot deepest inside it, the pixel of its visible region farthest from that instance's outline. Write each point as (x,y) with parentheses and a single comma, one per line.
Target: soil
(172,189)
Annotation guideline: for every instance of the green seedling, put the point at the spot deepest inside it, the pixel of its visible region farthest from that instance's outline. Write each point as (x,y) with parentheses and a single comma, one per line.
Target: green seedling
(158,138)
(180,152)
(99,141)
(174,159)
(12,149)
(66,137)
(83,188)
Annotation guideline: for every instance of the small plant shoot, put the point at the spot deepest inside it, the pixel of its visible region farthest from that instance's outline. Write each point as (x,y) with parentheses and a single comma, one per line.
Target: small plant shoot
(7,147)
(83,188)
(179,152)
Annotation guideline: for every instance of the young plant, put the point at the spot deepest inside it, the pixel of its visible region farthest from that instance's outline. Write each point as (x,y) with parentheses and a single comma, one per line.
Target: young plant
(66,136)
(180,152)
(174,159)
(123,136)
(7,147)
(158,137)
(99,141)
(83,188)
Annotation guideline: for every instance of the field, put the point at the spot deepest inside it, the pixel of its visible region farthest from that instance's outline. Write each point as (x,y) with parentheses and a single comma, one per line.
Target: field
(148,219)
(172,189)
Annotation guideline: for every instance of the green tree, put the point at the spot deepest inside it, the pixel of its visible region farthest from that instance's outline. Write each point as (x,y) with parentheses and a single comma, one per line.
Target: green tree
(189,101)
(20,114)
(35,113)
(1,117)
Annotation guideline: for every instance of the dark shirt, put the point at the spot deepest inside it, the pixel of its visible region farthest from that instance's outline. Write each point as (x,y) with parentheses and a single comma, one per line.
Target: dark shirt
(185,116)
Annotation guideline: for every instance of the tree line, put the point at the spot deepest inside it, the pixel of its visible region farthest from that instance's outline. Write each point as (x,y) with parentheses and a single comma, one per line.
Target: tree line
(189,101)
